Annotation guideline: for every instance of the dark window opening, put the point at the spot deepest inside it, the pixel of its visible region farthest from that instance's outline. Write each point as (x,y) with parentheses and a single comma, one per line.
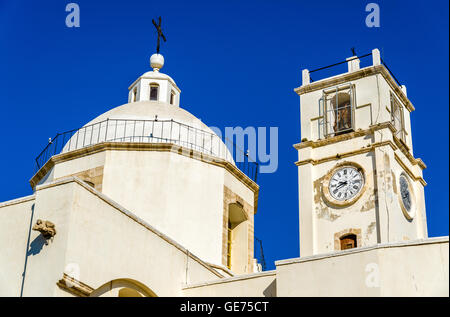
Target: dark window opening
(348,242)
(153,92)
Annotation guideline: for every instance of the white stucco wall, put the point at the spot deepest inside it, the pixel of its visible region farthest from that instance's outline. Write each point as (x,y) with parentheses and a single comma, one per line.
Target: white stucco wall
(105,242)
(16,217)
(416,268)
(180,196)
(251,285)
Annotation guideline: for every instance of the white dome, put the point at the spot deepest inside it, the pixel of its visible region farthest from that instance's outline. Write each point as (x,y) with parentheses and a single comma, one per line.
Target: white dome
(150,122)
(147,110)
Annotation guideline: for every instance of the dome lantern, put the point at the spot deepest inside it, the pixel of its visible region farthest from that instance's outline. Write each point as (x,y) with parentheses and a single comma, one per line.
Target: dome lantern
(154,85)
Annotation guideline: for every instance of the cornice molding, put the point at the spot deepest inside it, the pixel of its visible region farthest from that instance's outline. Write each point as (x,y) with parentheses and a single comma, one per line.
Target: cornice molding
(406,151)
(17,201)
(363,72)
(74,286)
(161,147)
(379,246)
(344,137)
(408,171)
(363,150)
(170,80)
(397,144)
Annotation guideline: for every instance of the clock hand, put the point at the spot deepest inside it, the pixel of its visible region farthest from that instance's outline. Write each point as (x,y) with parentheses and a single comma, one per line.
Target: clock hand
(341,184)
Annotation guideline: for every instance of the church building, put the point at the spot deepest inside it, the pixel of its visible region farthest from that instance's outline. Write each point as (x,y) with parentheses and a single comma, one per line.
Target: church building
(147,200)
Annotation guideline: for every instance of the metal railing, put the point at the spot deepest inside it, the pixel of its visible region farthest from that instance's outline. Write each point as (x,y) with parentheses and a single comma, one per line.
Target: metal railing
(337,64)
(346,61)
(149,131)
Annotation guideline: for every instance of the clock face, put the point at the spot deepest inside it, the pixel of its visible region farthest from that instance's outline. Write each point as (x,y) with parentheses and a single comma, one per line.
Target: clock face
(345,183)
(405,193)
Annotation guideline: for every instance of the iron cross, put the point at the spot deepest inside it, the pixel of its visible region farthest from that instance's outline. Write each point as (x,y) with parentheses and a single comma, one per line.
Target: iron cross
(160,34)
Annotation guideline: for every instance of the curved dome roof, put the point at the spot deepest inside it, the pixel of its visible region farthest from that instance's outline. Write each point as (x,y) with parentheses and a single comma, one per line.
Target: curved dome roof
(147,110)
(151,116)
(150,122)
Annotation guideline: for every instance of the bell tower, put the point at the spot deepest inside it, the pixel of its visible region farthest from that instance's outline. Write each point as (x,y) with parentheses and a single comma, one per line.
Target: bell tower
(359,182)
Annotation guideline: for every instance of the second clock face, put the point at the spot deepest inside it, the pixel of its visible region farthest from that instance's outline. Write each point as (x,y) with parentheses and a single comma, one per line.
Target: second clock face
(405,193)
(345,183)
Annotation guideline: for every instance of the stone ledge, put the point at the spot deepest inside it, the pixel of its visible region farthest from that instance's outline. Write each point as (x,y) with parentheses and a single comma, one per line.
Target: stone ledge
(363,72)
(162,147)
(17,201)
(231,279)
(433,240)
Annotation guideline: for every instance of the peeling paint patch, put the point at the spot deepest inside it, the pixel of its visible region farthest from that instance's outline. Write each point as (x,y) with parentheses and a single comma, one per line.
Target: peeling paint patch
(371,227)
(394,182)
(370,203)
(324,212)
(318,189)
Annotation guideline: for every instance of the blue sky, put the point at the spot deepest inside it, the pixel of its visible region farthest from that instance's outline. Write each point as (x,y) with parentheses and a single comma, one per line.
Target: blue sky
(236,62)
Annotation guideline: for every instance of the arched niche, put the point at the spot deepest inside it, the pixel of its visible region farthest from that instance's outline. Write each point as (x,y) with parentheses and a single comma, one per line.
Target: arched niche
(154,92)
(129,292)
(237,251)
(125,288)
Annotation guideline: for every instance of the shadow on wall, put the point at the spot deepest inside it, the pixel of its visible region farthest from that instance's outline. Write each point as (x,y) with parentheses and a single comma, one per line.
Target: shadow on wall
(37,245)
(271,290)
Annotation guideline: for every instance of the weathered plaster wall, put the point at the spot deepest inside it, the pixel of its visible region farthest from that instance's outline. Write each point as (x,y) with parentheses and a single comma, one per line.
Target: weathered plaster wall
(251,285)
(180,196)
(16,217)
(121,247)
(416,268)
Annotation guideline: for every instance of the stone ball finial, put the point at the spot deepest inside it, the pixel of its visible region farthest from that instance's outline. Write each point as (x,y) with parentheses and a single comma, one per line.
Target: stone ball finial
(156,62)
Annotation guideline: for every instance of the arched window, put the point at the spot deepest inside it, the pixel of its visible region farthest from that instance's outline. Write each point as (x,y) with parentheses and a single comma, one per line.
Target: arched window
(172,97)
(154,91)
(134,94)
(348,241)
